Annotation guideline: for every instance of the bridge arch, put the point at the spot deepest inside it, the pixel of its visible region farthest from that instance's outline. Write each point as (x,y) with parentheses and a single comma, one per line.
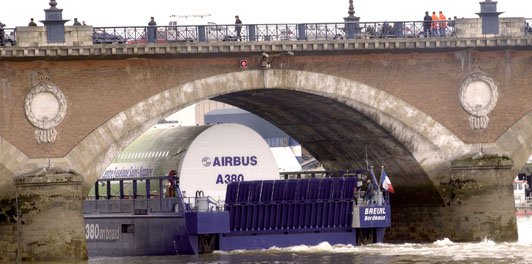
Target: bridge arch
(423,141)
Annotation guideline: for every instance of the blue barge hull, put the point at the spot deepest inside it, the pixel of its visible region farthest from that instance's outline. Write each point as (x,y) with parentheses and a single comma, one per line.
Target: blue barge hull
(138,236)
(256,215)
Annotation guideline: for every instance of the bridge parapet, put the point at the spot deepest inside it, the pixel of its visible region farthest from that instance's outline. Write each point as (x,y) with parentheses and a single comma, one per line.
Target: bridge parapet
(176,49)
(264,33)
(36,36)
(508,27)
(459,28)
(213,48)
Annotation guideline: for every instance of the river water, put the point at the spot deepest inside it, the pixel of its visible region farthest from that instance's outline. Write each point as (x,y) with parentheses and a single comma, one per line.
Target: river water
(442,251)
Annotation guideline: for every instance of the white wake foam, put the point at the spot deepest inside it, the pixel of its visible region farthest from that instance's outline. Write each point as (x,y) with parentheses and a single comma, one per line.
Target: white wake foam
(444,242)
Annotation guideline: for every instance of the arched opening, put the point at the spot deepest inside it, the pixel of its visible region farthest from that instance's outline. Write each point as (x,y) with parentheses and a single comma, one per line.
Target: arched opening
(403,129)
(339,137)
(337,120)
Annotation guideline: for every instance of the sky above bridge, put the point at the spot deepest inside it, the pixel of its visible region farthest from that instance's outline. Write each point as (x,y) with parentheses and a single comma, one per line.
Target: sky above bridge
(137,12)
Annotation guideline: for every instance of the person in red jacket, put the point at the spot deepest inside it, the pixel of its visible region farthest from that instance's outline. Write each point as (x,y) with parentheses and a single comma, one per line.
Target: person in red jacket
(171,187)
(443,24)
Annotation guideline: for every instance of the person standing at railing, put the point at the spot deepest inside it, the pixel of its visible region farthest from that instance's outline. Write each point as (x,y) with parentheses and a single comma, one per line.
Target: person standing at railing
(379,30)
(370,31)
(152,30)
(238,27)
(76,22)
(450,24)
(443,24)
(427,21)
(370,189)
(2,25)
(434,28)
(386,30)
(171,186)
(32,23)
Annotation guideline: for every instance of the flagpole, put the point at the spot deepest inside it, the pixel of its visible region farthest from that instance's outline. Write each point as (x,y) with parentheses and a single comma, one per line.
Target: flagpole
(367,163)
(381,179)
(373,175)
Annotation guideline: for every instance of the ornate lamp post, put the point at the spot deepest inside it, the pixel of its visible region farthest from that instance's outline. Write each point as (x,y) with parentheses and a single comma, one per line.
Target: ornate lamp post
(351,22)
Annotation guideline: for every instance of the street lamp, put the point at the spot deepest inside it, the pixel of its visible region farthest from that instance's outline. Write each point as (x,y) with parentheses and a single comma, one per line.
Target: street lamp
(351,22)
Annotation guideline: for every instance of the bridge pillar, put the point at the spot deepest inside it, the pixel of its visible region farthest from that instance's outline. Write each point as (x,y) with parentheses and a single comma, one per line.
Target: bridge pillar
(55,24)
(481,199)
(490,17)
(478,203)
(50,223)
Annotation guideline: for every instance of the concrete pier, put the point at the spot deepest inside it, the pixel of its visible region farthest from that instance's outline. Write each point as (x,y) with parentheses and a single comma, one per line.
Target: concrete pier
(49,224)
(477,204)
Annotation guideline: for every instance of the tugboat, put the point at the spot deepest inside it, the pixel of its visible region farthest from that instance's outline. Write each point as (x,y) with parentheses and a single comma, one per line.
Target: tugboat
(144,220)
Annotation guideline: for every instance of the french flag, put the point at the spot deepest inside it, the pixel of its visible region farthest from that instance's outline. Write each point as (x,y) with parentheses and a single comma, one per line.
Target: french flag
(386,183)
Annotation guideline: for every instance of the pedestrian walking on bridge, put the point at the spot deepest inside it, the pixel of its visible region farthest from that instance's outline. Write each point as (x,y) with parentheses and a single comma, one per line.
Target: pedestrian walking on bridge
(238,27)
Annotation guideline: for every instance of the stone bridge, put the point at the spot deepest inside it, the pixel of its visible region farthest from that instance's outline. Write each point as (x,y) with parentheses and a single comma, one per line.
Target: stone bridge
(450,119)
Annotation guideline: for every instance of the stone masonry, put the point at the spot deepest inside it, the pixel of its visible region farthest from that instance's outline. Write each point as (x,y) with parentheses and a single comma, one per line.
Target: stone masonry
(50,216)
(472,27)
(75,36)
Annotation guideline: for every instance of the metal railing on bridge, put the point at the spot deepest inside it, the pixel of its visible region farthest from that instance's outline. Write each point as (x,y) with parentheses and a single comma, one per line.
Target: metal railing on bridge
(267,32)
(8,36)
(260,32)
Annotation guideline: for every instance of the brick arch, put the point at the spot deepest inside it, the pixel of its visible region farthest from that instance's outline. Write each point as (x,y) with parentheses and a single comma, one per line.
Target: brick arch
(426,140)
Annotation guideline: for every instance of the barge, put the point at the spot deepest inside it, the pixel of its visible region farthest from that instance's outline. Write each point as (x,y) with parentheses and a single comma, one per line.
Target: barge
(155,219)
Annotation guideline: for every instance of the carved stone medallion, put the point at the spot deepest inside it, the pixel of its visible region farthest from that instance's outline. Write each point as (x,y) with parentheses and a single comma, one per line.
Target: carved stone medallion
(45,107)
(478,97)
